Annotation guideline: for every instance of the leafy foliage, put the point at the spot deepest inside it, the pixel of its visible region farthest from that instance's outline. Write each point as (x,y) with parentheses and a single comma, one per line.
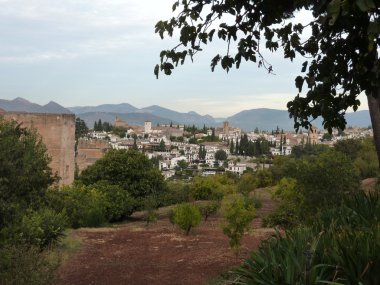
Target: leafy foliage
(186,216)
(311,184)
(41,228)
(341,248)
(24,171)
(211,187)
(363,154)
(83,205)
(81,128)
(119,203)
(131,170)
(209,209)
(221,155)
(178,192)
(237,214)
(25,265)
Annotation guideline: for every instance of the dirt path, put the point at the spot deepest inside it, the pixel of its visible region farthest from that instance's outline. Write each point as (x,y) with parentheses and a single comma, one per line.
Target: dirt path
(158,254)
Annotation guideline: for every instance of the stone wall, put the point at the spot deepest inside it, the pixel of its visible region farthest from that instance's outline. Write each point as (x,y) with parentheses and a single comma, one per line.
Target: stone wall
(89,151)
(58,134)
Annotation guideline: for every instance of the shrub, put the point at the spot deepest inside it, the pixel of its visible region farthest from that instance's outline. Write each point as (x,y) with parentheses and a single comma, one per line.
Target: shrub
(247,183)
(212,187)
(24,171)
(25,265)
(84,205)
(284,216)
(42,228)
(341,248)
(209,209)
(178,192)
(237,214)
(186,216)
(131,170)
(119,203)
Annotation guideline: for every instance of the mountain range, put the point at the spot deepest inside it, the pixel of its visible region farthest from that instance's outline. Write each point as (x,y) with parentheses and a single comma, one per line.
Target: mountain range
(248,120)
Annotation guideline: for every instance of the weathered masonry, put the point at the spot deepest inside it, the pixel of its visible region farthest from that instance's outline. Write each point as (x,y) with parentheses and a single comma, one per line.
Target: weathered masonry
(58,134)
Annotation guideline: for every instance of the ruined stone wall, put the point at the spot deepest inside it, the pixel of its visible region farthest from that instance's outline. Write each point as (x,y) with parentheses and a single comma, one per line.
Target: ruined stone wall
(89,151)
(58,134)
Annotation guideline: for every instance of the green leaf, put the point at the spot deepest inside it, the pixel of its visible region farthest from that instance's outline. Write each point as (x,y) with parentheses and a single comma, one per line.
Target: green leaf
(156,70)
(365,5)
(333,10)
(299,82)
(304,66)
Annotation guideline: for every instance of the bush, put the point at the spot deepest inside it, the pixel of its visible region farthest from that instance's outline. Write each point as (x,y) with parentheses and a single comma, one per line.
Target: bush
(24,171)
(25,265)
(186,216)
(237,214)
(178,192)
(83,205)
(284,216)
(41,228)
(342,247)
(131,170)
(212,187)
(247,183)
(209,209)
(119,203)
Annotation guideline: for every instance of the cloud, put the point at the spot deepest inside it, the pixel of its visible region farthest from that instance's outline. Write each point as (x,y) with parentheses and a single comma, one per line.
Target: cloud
(40,30)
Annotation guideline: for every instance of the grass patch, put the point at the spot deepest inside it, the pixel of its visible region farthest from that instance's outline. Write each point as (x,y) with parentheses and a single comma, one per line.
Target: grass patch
(69,244)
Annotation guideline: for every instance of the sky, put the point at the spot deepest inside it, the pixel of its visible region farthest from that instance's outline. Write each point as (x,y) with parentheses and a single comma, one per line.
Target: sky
(92,52)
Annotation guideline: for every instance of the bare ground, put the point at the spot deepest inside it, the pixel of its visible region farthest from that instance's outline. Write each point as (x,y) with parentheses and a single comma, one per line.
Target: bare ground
(158,254)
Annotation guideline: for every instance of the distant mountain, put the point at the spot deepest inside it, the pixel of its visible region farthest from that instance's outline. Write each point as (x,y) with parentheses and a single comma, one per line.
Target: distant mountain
(248,120)
(130,118)
(183,118)
(358,119)
(53,107)
(22,105)
(269,119)
(105,108)
(264,119)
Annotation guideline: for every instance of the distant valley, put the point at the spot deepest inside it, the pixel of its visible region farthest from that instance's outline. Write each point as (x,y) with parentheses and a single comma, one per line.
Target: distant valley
(248,120)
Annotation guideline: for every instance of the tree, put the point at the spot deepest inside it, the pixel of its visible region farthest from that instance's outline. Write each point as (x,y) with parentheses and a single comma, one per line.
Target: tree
(161,146)
(183,164)
(24,171)
(237,214)
(327,137)
(131,170)
(81,128)
(341,49)
(202,152)
(220,155)
(186,216)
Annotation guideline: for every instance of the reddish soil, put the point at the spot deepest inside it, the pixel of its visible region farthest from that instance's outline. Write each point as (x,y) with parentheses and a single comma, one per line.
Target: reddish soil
(158,254)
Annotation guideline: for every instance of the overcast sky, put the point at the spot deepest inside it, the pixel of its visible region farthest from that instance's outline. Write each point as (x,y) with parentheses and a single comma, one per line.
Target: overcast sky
(91,52)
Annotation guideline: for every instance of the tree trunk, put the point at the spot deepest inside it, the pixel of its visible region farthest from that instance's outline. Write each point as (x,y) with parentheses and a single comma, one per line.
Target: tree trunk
(374,111)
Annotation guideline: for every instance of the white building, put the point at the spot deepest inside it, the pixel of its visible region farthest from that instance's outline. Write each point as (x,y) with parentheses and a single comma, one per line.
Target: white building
(147,127)
(237,168)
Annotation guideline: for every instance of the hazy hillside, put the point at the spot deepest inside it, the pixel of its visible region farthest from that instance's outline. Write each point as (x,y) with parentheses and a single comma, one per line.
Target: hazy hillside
(183,118)
(358,119)
(105,108)
(22,105)
(248,120)
(264,119)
